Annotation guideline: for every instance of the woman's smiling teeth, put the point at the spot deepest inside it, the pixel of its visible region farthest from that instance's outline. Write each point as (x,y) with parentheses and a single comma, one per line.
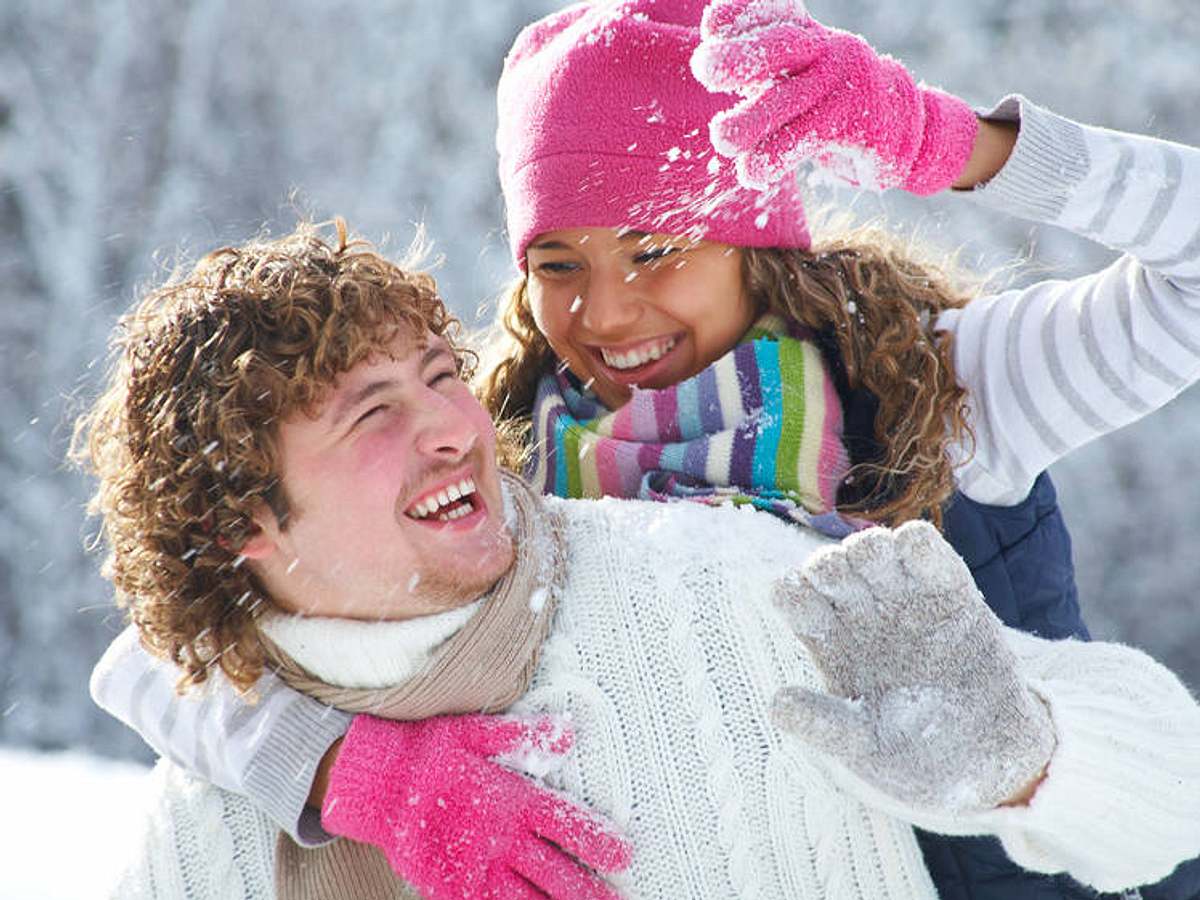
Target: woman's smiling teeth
(455,496)
(637,356)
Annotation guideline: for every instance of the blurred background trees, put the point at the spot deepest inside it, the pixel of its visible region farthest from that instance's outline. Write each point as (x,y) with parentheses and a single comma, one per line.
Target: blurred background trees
(133,132)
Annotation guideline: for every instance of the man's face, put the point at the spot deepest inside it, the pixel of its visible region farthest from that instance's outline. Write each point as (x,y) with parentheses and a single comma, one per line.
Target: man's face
(395,495)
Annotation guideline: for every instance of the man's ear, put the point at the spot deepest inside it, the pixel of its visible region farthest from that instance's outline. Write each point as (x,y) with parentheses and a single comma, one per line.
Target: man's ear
(258,546)
(264,538)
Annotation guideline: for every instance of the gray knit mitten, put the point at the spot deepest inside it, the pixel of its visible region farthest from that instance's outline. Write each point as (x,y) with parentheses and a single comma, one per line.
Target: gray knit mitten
(925,703)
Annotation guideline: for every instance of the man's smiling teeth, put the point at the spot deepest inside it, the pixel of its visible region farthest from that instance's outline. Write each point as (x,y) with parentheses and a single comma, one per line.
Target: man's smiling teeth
(638,356)
(427,506)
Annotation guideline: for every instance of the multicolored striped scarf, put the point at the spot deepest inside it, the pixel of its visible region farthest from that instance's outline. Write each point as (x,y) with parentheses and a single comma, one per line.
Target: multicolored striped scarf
(762,426)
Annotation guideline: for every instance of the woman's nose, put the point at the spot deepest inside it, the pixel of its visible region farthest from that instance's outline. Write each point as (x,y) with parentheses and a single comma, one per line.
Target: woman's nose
(611,303)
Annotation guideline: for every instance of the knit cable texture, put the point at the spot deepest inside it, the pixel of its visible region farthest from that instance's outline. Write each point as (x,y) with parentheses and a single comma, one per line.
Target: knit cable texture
(649,719)
(665,654)
(200,842)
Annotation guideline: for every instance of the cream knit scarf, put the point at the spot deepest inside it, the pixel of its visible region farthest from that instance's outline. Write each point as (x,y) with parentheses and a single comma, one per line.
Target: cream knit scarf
(483,667)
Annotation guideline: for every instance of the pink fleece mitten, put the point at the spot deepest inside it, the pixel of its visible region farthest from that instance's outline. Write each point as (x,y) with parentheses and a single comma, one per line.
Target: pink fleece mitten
(812,93)
(453,823)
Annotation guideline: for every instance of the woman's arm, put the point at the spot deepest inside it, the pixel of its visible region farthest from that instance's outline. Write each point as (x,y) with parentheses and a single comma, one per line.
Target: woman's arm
(268,750)
(1048,368)
(1054,365)
(474,812)
(994,144)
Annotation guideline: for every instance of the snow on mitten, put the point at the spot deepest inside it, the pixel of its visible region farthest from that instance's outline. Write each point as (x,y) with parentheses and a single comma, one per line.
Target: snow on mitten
(820,95)
(925,703)
(454,823)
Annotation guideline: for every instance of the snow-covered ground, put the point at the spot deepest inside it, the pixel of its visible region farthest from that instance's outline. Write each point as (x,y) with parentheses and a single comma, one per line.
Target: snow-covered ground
(70,823)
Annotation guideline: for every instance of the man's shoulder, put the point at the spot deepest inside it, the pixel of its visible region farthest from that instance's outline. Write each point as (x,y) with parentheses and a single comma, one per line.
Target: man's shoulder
(683,529)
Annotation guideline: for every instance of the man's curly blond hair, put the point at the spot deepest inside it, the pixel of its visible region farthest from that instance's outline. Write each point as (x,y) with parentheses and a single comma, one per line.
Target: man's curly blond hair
(183,439)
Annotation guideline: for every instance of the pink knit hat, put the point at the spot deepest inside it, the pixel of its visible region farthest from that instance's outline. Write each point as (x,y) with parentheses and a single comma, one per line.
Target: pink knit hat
(602,124)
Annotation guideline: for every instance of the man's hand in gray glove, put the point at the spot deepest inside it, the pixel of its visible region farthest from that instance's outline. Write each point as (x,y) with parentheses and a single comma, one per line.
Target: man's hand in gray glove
(925,703)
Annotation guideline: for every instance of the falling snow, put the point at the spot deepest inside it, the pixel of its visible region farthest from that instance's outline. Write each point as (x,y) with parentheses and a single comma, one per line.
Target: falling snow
(182,160)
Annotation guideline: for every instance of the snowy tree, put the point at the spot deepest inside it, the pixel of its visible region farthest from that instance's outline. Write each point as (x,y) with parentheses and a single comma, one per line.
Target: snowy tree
(133,129)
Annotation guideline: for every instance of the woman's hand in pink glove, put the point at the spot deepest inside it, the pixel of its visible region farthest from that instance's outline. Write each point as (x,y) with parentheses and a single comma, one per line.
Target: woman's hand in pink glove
(812,93)
(454,823)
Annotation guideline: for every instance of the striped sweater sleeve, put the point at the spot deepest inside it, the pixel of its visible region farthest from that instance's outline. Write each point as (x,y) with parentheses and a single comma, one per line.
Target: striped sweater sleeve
(267,750)
(1052,366)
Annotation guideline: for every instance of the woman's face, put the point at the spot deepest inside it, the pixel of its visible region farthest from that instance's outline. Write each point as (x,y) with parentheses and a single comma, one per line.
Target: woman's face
(630,308)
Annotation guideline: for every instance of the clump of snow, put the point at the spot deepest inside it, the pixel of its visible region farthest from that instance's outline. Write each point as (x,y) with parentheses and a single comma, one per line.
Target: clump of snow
(830,164)
(535,756)
(656,116)
(537,600)
(758,13)
(913,712)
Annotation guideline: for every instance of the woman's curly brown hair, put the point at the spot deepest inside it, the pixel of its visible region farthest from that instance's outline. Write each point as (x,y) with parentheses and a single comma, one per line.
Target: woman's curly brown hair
(872,300)
(183,438)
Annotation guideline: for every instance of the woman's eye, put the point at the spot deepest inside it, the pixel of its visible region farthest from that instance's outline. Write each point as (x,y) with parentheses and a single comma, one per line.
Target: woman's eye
(441,377)
(654,254)
(556,268)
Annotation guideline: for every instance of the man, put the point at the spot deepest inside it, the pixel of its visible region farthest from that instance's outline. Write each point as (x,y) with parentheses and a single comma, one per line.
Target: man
(354,361)
(294,476)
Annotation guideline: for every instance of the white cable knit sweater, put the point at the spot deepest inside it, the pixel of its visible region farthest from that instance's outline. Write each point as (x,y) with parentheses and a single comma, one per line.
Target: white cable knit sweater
(666,652)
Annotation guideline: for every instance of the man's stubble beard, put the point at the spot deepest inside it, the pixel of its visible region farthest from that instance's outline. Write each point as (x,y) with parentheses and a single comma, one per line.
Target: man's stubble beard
(441,589)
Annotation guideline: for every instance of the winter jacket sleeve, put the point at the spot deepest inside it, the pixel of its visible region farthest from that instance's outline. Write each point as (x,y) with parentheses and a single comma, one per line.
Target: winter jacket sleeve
(267,750)
(1051,366)
(199,843)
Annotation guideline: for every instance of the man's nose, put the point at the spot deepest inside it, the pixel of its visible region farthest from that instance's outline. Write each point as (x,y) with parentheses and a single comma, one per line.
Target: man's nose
(612,302)
(444,431)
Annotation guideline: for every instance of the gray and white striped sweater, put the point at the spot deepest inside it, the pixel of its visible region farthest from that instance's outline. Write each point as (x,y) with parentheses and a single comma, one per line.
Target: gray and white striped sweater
(1052,366)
